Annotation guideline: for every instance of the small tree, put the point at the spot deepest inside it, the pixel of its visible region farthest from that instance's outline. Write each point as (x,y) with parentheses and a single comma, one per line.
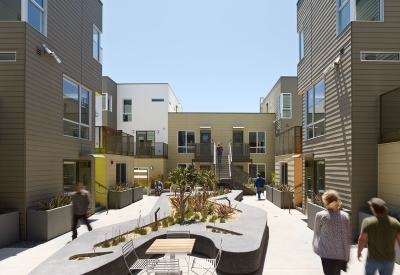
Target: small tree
(184,177)
(207,180)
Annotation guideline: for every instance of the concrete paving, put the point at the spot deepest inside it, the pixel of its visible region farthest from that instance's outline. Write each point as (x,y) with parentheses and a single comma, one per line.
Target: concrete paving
(288,252)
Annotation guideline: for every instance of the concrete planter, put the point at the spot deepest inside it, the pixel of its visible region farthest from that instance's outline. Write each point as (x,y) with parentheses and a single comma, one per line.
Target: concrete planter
(312,210)
(269,191)
(137,194)
(44,225)
(282,199)
(10,229)
(119,199)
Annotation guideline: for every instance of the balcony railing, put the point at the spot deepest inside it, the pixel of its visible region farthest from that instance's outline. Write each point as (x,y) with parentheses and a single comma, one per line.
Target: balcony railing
(111,141)
(204,152)
(240,152)
(390,116)
(289,142)
(151,150)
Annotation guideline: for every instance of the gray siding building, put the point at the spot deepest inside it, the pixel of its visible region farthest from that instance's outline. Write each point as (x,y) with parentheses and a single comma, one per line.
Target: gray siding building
(50,69)
(349,56)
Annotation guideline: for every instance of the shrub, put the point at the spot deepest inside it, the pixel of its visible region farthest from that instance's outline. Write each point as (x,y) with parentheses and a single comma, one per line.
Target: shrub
(140,231)
(213,218)
(55,202)
(283,187)
(222,220)
(223,210)
(165,222)
(196,217)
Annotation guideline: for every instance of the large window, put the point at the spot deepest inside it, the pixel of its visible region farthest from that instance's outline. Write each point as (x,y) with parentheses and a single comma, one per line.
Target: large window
(283,173)
(254,169)
(121,173)
(107,102)
(257,142)
(96,44)
(186,142)
(127,109)
(301,45)
(315,110)
(76,110)
(358,10)
(37,14)
(285,106)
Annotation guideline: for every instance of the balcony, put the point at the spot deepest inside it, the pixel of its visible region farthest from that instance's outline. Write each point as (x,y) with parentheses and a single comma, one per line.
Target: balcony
(390,116)
(289,142)
(151,150)
(204,152)
(111,141)
(240,152)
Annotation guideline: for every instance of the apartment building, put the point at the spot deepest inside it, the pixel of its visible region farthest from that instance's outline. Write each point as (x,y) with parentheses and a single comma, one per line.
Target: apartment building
(50,69)
(348,57)
(283,101)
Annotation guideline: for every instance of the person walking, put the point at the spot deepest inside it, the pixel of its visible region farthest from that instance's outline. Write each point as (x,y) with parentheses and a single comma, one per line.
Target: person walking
(380,232)
(81,206)
(220,149)
(332,235)
(259,183)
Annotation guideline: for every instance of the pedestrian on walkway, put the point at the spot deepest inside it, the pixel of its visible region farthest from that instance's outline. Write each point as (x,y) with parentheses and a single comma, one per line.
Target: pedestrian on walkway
(220,149)
(380,232)
(259,184)
(332,235)
(81,206)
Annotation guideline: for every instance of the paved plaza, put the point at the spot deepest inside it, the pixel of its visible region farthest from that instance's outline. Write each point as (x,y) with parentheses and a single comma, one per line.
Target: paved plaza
(288,252)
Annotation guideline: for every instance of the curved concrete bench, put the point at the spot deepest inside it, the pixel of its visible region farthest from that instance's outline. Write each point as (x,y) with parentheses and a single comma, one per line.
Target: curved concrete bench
(240,255)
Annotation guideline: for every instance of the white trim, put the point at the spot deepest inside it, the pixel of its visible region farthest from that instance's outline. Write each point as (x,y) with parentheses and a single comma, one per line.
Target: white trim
(237,127)
(98,46)
(205,127)
(313,113)
(301,45)
(281,108)
(258,147)
(15,55)
(186,146)
(123,109)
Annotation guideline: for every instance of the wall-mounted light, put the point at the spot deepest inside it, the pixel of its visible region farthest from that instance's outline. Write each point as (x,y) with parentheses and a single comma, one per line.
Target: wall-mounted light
(151,167)
(205,127)
(133,131)
(112,162)
(238,127)
(51,53)
(157,131)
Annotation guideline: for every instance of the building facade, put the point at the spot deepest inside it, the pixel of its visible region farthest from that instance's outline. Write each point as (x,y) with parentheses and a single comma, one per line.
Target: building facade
(349,56)
(49,76)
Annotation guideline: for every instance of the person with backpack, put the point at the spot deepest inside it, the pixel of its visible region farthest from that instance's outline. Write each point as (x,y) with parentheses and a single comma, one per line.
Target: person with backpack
(219,152)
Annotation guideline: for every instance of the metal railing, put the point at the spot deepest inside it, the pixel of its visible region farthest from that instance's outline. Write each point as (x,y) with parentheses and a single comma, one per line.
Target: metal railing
(151,150)
(390,116)
(240,151)
(204,151)
(289,142)
(111,141)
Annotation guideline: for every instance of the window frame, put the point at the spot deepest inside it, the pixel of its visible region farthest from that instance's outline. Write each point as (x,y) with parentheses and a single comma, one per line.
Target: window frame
(80,124)
(257,142)
(301,45)
(43,10)
(313,123)
(98,58)
(378,52)
(9,52)
(281,108)
(257,171)
(108,102)
(120,172)
(186,146)
(157,100)
(123,109)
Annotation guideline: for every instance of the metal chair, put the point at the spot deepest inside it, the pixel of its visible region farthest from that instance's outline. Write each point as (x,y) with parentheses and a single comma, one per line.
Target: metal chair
(210,265)
(139,264)
(175,234)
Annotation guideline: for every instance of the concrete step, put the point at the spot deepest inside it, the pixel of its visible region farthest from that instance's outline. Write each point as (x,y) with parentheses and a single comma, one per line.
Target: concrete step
(98,207)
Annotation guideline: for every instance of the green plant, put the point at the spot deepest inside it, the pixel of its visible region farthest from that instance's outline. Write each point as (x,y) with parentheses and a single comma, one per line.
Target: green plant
(223,211)
(203,219)
(283,187)
(119,187)
(55,202)
(222,220)
(188,215)
(196,217)
(164,223)
(154,226)
(140,231)
(213,218)
(214,230)
(272,178)
(171,221)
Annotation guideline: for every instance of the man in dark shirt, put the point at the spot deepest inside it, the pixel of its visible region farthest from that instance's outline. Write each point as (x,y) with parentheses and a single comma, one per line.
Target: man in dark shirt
(81,203)
(259,183)
(381,232)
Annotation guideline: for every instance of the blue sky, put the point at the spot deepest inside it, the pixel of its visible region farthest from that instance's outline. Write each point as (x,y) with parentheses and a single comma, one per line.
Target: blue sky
(217,55)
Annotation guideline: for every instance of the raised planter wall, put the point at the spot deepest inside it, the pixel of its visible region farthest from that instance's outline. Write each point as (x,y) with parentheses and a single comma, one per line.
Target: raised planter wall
(282,199)
(137,194)
(269,191)
(119,199)
(312,210)
(9,223)
(44,225)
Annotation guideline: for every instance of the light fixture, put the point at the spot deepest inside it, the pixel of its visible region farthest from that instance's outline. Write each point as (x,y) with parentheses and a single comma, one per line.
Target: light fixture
(151,167)
(51,53)
(238,127)
(157,131)
(205,127)
(300,93)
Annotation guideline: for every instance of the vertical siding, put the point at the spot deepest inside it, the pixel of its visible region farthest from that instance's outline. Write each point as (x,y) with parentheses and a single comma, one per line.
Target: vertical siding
(321,47)
(110,117)
(369,80)
(12,120)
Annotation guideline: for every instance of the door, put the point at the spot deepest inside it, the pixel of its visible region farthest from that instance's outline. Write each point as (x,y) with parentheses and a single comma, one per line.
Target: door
(144,143)
(84,173)
(237,143)
(205,143)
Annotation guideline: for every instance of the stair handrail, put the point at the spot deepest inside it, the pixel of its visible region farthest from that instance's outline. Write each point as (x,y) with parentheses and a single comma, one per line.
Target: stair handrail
(214,154)
(106,193)
(230,159)
(99,184)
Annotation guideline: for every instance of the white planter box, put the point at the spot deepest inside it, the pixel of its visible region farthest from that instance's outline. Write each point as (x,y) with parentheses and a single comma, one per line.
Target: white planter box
(9,229)
(312,210)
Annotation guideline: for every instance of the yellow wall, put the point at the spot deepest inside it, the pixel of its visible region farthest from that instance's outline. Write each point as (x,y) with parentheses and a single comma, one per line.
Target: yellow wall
(295,174)
(106,173)
(389,174)
(159,166)
(221,131)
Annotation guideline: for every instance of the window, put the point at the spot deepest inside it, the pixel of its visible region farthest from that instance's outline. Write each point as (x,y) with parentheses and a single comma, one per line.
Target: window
(37,13)
(76,110)
(8,56)
(283,173)
(184,165)
(10,10)
(157,100)
(254,169)
(319,186)
(107,102)
(96,44)
(285,106)
(315,110)
(186,142)
(301,45)
(121,173)
(257,142)
(380,57)
(357,10)
(127,109)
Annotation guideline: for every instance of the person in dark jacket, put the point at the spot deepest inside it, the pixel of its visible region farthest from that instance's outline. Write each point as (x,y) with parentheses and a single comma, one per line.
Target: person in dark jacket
(259,183)
(81,206)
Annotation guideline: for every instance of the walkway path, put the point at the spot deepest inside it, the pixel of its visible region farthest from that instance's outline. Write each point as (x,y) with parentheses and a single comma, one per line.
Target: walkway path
(289,250)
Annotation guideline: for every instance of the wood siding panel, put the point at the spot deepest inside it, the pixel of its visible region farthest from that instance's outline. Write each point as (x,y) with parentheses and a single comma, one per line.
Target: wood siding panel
(110,117)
